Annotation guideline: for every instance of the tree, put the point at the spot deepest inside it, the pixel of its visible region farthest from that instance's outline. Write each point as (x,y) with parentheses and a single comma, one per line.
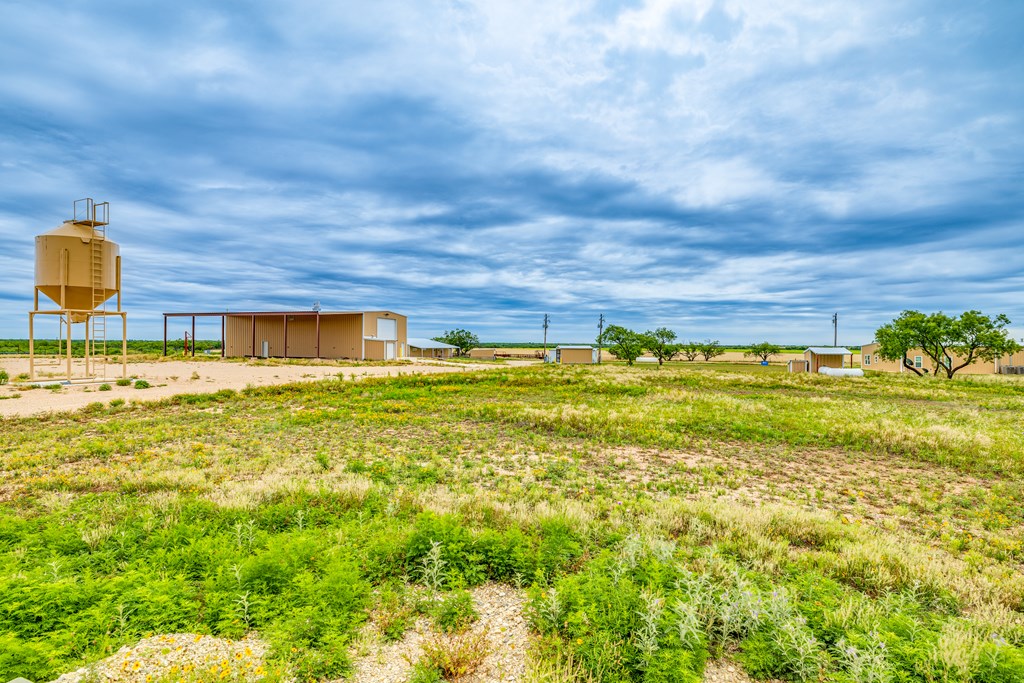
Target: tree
(690,350)
(764,351)
(710,348)
(626,344)
(463,339)
(969,337)
(661,344)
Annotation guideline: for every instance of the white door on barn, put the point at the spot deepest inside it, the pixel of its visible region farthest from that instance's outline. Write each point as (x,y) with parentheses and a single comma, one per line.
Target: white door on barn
(387,328)
(389,350)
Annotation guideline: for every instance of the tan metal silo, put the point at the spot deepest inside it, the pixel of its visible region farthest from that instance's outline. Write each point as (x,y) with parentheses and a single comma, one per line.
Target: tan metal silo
(79,269)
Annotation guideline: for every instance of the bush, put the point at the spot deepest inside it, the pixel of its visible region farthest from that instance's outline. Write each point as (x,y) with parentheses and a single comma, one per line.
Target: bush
(117,403)
(4,377)
(455,612)
(141,384)
(104,387)
(124,382)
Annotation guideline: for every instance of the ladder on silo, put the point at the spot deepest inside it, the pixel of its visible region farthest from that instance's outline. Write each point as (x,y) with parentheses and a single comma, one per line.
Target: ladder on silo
(98,321)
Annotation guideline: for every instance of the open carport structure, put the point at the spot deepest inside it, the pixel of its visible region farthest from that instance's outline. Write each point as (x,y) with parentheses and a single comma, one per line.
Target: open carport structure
(355,335)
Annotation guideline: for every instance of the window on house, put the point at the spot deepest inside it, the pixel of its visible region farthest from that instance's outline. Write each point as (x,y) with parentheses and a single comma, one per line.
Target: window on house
(867,359)
(918,361)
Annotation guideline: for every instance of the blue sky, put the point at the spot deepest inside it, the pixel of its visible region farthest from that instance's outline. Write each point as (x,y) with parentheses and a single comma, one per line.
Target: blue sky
(734,170)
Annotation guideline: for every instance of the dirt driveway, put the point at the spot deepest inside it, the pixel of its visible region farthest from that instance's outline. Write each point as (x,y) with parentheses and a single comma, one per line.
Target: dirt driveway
(168,378)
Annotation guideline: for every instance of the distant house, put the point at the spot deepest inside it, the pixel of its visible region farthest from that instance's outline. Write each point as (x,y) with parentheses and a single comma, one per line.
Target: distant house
(572,355)
(827,357)
(428,348)
(870,360)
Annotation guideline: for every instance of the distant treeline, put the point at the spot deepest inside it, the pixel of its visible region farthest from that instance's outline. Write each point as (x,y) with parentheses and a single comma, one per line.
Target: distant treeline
(537,345)
(135,346)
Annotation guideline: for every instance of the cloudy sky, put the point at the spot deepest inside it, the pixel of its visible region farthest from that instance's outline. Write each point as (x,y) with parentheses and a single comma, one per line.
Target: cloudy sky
(730,169)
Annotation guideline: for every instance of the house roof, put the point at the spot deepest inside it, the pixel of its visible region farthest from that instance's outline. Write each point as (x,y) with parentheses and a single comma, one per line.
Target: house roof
(829,351)
(588,348)
(419,343)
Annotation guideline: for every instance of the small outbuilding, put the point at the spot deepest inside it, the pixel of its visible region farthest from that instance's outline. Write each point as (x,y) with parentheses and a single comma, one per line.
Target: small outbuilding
(572,355)
(818,357)
(428,348)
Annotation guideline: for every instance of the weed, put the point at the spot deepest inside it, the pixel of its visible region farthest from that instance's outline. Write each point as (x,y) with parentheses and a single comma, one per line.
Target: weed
(141,384)
(104,387)
(4,377)
(432,568)
(124,382)
(117,403)
(454,613)
(455,656)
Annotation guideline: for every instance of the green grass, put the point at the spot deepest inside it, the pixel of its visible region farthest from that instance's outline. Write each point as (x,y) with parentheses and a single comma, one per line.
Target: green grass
(848,530)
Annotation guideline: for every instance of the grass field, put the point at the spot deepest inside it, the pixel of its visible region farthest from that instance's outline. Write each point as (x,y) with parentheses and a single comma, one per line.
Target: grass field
(859,530)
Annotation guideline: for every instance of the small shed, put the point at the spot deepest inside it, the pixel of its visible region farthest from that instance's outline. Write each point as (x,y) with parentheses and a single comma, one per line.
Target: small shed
(797,365)
(827,357)
(428,348)
(572,355)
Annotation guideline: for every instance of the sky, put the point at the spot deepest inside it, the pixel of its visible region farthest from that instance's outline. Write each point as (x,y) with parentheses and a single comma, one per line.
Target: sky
(734,170)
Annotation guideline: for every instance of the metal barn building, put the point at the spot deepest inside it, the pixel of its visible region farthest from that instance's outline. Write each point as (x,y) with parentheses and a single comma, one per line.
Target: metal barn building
(827,357)
(428,348)
(572,355)
(354,335)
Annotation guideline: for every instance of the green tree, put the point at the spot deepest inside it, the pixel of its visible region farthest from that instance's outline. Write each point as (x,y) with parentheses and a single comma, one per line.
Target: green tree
(661,344)
(690,350)
(624,343)
(463,339)
(710,348)
(764,351)
(970,336)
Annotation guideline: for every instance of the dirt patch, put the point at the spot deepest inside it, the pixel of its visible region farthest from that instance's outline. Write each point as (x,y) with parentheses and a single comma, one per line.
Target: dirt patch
(170,378)
(178,655)
(501,617)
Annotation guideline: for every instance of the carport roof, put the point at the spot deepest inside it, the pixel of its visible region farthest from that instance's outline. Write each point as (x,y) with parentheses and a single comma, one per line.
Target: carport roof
(829,351)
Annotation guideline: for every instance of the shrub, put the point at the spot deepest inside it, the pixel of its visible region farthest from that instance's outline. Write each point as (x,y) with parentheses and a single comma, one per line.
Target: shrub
(4,377)
(455,612)
(104,387)
(124,382)
(141,384)
(117,403)
(455,656)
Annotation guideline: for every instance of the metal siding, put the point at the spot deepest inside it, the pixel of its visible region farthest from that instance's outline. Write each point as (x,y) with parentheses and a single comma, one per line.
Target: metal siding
(374,349)
(270,328)
(237,336)
(302,336)
(341,336)
(577,356)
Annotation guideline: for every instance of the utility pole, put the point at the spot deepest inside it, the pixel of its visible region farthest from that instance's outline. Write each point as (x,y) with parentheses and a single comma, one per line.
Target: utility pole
(835,330)
(547,319)
(600,337)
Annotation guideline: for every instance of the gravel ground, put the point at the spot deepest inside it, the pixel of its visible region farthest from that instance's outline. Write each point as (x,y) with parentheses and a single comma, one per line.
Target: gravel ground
(173,654)
(725,671)
(501,613)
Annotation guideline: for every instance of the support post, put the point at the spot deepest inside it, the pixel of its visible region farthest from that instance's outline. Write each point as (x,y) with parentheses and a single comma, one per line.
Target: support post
(318,334)
(69,346)
(285,316)
(223,338)
(85,354)
(165,334)
(124,345)
(32,343)
(254,336)
(193,336)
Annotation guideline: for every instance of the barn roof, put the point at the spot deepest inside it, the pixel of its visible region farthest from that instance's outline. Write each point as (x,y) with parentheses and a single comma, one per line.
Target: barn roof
(829,351)
(419,343)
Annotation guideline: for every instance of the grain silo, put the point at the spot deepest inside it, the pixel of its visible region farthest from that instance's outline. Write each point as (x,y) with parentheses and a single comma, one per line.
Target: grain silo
(79,269)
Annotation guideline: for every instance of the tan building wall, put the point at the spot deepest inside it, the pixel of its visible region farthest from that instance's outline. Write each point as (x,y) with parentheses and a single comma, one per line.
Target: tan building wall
(576,356)
(816,361)
(484,354)
(341,336)
(871,361)
(417,352)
